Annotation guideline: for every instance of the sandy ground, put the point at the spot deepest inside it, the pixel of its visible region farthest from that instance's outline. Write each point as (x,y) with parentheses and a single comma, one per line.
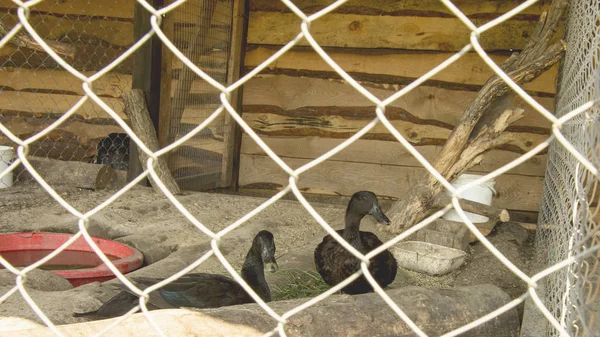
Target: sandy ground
(149,222)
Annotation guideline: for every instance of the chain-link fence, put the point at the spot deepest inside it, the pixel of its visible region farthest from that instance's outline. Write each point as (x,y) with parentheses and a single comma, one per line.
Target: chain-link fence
(567,215)
(568,223)
(35,90)
(197,164)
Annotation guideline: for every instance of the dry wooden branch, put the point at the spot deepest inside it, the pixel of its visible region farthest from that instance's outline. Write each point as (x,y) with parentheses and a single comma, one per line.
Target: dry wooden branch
(25,41)
(136,110)
(442,199)
(480,127)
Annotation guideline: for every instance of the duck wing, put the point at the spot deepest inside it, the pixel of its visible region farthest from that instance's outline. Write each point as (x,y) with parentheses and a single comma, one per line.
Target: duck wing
(199,290)
(333,262)
(117,306)
(383,267)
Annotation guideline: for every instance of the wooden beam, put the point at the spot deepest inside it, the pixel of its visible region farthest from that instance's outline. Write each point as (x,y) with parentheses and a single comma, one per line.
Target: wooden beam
(166,87)
(110,85)
(426,102)
(432,8)
(343,122)
(386,31)
(41,103)
(232,131)
(383,153)
(345,178)
(100,9)
(388,66)
(491,8)
(146,76)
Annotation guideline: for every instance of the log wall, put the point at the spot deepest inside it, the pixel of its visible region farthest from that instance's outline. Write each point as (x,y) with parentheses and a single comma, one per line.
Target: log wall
(35,91)
(301,108)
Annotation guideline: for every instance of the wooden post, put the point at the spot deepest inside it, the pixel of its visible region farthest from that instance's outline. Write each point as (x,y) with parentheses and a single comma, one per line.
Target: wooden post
(166,76)
(232,132)
(146,75)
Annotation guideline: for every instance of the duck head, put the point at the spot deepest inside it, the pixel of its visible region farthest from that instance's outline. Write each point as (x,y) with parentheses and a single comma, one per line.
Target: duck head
(267,243)
(366,203)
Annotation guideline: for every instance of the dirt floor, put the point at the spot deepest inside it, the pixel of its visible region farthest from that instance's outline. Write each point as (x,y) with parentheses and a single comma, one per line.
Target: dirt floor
(149,222)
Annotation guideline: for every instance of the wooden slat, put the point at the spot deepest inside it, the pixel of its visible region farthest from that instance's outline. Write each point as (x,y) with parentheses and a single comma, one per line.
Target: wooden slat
(115,9)
(516,192)
(404,32)
(109,9)
(336,122)
(56,104)
(88,57)
(71,129)
(111,84)
(382,152)
(394,8)
(119,33)
(114,32)
(390,67)
(425,102)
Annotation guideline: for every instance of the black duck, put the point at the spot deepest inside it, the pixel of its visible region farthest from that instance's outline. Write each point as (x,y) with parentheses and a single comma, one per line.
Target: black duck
(336,264)
(201,290)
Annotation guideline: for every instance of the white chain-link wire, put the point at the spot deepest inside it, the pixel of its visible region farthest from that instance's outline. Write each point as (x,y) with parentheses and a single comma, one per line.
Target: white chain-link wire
(589,164)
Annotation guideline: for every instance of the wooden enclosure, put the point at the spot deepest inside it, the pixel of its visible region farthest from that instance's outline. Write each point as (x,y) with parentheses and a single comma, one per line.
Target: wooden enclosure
(301,108)
(298,105)
(35,91)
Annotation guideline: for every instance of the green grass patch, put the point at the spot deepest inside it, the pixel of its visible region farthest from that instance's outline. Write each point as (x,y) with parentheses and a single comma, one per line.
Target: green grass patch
(299,284)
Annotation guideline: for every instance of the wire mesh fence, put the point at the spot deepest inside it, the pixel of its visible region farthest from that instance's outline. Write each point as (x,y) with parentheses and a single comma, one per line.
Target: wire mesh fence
(203,34)
(35,89)
(568,212)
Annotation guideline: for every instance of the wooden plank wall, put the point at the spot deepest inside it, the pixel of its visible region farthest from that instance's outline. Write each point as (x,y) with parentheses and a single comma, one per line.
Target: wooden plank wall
(35,91)
(301,108)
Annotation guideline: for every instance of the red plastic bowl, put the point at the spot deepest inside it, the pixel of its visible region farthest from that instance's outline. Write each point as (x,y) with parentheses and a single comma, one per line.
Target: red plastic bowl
(25,248)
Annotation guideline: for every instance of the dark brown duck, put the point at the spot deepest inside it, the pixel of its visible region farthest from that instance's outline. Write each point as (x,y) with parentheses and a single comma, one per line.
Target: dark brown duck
(201,290)
(336,264)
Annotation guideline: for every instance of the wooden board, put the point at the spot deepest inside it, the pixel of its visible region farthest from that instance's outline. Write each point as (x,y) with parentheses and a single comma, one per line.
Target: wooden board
(383,153)
(117,9)
(56,104)
(391,67)
(478,9)
(345,178)
(48,26)
(109,85)
(89,57)
(425,102)
(59,81)
(24,127)
(114,32)
(385,31)
(343,122)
